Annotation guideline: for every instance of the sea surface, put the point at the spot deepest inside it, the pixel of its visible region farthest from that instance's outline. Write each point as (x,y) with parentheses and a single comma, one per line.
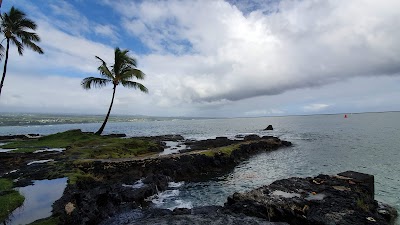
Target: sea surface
(322,144)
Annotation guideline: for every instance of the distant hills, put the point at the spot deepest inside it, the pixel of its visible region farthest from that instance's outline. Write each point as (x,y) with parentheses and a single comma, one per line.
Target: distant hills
(31,119)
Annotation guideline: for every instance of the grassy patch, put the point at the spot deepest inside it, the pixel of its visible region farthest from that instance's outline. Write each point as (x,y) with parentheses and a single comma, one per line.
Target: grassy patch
(5,184)
(362,205)
(226,150)
(46,221)
(86,145)
(9,199)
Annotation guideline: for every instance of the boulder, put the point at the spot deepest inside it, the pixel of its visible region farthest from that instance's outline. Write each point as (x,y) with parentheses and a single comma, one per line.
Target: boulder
(321,200)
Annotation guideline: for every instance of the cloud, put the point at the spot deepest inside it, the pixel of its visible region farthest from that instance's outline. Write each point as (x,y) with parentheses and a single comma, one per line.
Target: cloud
(219,52)
(315,107)
(107,31)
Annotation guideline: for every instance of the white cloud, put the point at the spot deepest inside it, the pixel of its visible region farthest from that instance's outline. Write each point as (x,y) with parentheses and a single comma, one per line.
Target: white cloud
(107,31)
(305,44)
(209,58)
(315,107)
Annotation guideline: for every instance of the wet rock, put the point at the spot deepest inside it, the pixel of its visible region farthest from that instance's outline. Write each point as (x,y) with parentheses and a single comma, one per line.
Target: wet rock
(312,200)
(94,201)
(115,135)
(210,143)
(269,127)
(251,137)
(211,215)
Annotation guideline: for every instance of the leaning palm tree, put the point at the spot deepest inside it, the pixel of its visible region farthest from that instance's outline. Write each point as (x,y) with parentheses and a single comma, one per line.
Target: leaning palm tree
(17,30)
(121,72)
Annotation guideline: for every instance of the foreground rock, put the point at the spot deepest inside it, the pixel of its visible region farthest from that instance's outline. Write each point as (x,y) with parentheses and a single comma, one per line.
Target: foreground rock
(211,215)
(321,200)
(118,185)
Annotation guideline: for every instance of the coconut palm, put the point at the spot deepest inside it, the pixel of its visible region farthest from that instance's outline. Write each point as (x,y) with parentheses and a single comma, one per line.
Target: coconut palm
(17,29)
(121,72)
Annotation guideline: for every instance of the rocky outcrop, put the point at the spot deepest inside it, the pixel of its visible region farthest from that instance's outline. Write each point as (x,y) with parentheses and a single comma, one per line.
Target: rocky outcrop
(269,127)
(91,201)
(211,215)
(321,200)
(19,137)
(182,166)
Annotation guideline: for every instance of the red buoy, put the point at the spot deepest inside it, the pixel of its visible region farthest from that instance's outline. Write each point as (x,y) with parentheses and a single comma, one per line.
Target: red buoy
(345,115)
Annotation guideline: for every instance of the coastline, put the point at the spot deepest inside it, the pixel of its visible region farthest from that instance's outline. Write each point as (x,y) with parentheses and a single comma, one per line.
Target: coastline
(99,191)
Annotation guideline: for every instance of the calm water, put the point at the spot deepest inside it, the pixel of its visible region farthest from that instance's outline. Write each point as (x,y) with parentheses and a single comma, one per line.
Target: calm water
(329,144)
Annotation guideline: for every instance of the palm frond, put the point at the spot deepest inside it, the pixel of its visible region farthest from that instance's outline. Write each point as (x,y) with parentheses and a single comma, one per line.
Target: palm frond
(1,51)
(122,61)
(130,73)
(135,85)
(103,69)
(27,23)
(19,45)
(95,82)
(32,46)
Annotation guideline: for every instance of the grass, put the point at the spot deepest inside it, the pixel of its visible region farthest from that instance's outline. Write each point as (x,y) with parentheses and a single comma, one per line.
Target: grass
(9,198)
(86,145)
(362,205)
(226,150)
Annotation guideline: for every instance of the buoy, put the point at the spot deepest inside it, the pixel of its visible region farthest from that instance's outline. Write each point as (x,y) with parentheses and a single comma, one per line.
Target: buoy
(345,115)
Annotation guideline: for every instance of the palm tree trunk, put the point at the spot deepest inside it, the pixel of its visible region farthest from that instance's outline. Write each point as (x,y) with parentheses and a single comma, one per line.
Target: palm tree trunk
(5,66)
(108,114)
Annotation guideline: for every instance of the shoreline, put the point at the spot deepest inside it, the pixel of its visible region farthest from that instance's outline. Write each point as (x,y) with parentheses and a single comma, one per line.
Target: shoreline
(98,191)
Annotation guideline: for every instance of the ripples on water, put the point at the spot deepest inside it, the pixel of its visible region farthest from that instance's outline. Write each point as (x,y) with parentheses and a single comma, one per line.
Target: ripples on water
(329,144)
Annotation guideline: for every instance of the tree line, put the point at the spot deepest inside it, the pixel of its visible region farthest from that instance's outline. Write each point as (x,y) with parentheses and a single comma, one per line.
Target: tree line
(19,30)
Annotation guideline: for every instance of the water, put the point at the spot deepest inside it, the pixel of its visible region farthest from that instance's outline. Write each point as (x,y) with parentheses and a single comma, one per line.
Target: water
(38,200)
(328,144)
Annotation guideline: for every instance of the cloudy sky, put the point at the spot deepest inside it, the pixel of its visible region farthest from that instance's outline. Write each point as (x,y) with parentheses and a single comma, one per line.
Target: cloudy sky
(212,58)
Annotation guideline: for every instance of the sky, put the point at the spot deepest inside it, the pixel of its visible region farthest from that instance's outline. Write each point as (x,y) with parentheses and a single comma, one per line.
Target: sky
(238,58)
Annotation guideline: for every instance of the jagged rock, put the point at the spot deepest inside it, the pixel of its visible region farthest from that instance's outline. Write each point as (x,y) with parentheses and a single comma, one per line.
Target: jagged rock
(95,201)
(211,215)
(313,200)
(115,135)
(251,137)
(269,127)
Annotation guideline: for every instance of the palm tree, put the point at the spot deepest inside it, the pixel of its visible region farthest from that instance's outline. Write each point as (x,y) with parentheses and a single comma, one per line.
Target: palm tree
(121,72)
(15,27)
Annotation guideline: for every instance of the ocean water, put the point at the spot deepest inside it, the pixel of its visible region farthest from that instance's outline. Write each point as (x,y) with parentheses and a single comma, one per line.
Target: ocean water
(322,144)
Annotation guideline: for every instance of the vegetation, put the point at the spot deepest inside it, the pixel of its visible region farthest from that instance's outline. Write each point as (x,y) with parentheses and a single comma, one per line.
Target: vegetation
(122,71)
(83,145)
(9,198)
(226,150)
(17,30)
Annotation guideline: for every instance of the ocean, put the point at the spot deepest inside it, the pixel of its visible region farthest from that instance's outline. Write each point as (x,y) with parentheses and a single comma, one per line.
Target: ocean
(322,144)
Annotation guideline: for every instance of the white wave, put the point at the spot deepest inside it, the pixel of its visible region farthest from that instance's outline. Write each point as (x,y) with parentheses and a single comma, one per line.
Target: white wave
(181,204)
(160,198)
(175,184)
(136,185)
(50,150)
(40,161)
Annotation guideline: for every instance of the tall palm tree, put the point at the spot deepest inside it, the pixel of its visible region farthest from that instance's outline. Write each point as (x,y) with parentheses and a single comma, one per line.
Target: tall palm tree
(16,29)
(121,72)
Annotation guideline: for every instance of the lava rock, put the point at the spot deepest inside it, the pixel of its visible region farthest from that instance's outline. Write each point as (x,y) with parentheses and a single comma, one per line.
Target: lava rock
(269,127)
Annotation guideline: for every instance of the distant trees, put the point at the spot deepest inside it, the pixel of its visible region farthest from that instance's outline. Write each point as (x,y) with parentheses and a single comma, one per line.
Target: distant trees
(123,70)
(17,29)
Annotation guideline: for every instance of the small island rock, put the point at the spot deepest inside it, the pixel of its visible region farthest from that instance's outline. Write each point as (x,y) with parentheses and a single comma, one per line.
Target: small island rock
(269,127)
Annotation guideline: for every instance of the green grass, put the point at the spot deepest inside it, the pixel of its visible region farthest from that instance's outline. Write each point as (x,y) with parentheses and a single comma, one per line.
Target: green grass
(86,145)
(226,150)
(46,221)
(5,184)
(9,198)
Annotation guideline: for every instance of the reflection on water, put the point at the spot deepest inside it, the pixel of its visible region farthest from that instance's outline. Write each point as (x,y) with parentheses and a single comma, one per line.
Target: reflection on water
(39,198)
